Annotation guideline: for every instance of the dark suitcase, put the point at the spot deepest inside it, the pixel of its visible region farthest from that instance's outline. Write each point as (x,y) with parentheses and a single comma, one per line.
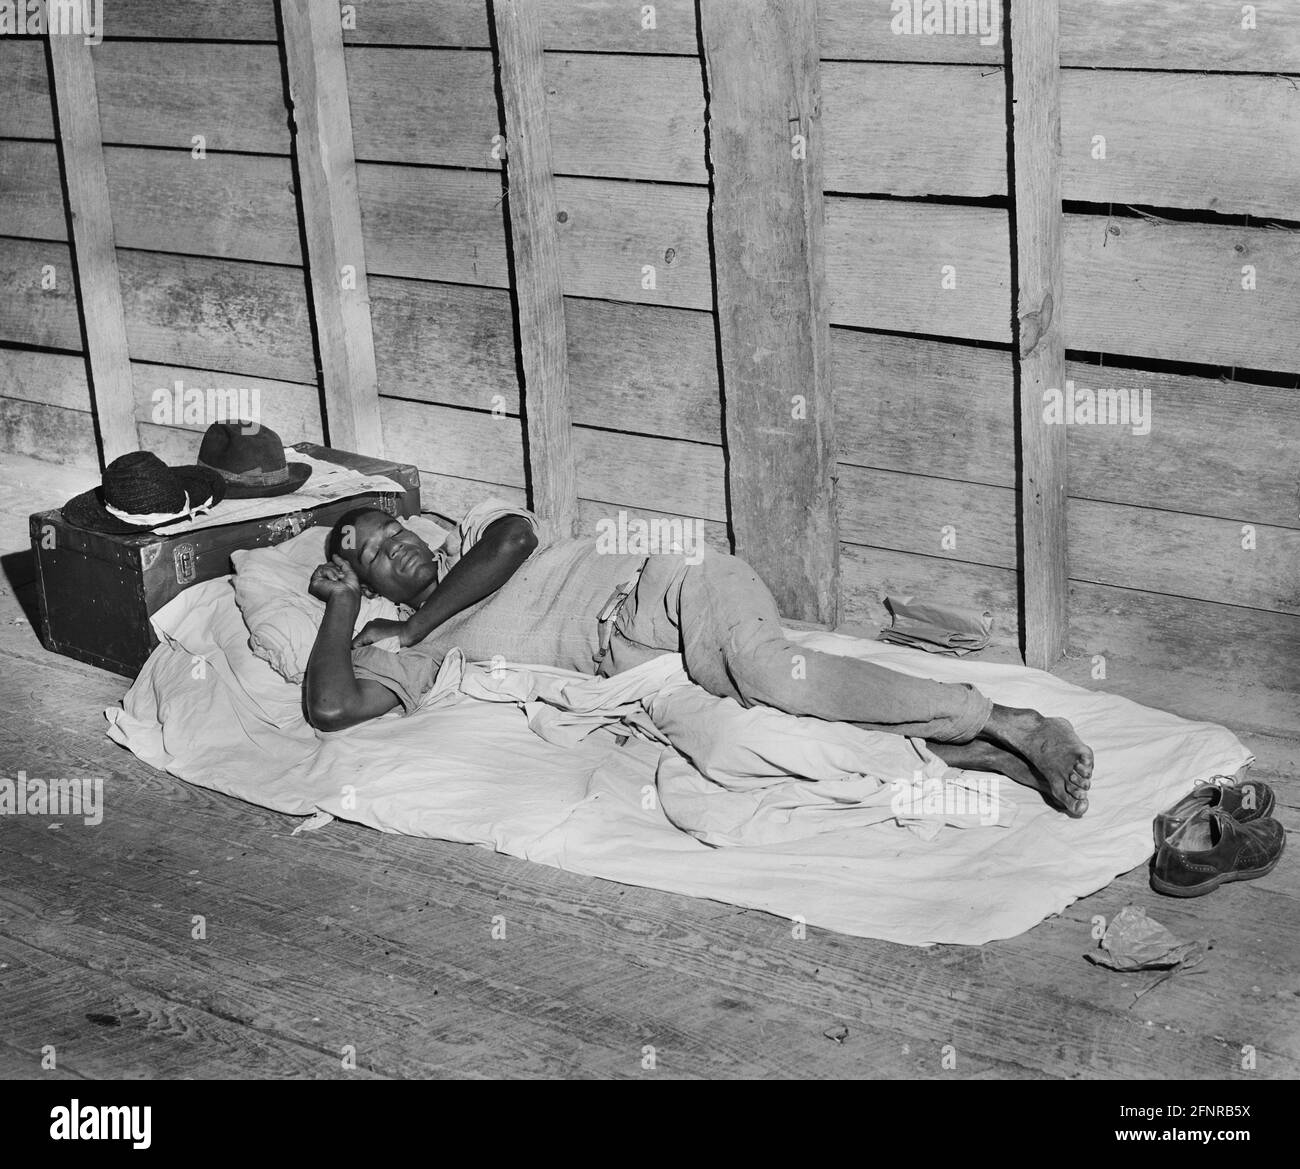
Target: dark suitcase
(97,591)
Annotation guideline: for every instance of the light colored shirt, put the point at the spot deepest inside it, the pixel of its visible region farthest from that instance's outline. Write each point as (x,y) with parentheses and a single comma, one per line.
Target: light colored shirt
(545,614)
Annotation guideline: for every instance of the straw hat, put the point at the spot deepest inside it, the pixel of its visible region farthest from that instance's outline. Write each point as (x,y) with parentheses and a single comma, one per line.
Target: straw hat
(139,492)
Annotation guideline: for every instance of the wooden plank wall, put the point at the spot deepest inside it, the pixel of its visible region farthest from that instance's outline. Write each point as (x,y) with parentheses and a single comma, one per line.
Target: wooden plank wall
(1156,522)
(918,265)
(632,183)
(916,189)
(536,280)
(631,192)
(45,406)
(1185,542)
(767,233)
(208,249)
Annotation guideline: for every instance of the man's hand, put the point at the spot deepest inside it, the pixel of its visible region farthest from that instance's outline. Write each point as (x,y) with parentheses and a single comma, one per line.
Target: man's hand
(333,697)
(378,630)
(334,579)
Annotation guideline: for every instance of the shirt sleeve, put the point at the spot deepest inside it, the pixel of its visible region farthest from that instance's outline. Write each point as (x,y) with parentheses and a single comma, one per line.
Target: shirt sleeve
(470,530)
(410,674)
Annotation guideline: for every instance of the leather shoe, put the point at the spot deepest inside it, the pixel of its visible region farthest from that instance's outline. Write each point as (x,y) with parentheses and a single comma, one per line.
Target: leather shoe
(1244,802)
(1212,848)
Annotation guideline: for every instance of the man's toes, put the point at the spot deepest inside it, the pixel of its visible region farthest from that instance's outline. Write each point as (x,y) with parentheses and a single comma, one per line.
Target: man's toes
(1069,805)
(1074,802)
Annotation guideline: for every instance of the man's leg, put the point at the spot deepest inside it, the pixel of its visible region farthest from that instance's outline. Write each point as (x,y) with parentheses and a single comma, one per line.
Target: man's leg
(980,755)
(733,646)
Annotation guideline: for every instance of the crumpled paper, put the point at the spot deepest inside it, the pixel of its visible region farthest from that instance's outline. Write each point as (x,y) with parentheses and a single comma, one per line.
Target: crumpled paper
(935,628)
(1134,941)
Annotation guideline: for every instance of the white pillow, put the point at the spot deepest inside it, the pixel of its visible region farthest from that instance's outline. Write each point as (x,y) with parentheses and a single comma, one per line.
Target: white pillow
(282,617)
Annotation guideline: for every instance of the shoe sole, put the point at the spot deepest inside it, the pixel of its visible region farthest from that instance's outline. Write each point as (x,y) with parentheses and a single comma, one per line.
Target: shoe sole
(1213,883)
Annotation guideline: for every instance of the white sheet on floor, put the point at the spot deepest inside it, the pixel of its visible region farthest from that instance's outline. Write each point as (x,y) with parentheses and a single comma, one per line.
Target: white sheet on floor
(473,770)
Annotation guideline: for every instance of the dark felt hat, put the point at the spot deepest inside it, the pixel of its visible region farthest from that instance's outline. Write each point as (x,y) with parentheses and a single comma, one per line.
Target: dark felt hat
(139,492)
(250,458)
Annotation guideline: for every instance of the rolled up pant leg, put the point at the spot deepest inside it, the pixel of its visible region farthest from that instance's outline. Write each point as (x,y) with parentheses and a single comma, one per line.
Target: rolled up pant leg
(734,647)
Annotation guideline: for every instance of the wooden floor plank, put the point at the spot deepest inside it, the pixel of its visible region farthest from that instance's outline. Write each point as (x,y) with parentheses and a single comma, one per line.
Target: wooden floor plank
(840,978)
(107,1028)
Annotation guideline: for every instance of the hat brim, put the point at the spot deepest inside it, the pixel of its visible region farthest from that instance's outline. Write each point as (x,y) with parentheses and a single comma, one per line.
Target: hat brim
(299,473)
(87,511)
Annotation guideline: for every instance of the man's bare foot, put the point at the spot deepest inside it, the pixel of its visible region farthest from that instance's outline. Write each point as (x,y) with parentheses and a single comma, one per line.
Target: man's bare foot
(1054,753)
(979,755)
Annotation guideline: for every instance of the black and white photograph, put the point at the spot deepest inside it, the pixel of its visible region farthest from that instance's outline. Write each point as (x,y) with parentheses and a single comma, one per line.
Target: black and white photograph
(591,540)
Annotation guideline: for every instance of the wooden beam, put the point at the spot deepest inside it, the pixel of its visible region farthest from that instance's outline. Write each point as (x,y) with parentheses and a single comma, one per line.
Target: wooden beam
(94,252)
(765,147)
(1040,343)
(539,295)
(331,213)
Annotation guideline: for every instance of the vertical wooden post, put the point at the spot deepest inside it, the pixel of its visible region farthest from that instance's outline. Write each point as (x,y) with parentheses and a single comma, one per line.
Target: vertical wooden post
(1034,45)
(768,224)
(100,291)
(331,212)
(535,255)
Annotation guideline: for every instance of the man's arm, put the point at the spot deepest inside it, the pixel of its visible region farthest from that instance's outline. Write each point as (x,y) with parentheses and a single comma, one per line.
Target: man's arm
(493,560)
(334,698)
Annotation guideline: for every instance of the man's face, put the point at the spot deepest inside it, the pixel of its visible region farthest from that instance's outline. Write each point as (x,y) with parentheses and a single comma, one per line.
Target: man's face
(390,559)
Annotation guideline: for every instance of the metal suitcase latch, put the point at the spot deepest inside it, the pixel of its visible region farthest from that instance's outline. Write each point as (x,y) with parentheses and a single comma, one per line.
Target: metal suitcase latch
(186,563)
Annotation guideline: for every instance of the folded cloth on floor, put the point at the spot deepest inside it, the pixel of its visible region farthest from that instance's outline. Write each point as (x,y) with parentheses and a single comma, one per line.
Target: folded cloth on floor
(472,768)
(935,628)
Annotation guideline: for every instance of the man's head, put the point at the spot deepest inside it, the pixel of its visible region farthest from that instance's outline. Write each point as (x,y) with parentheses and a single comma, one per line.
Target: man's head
(390,559)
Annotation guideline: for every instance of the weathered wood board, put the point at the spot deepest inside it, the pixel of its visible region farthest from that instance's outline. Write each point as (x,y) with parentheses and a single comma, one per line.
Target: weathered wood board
(40,305)
(51,379)
(25,109)
(1039,335)
(32,203)
(438,107)
(326,173)
(1175,291)
(919,268)
(49,432)
(1223,143)
(925,407)
(768,230)
(1113,34)
(99,290)
(230,95)
(535,268)
(233,206)
(217,314)
(678,478)
(1199,557)
(291,409)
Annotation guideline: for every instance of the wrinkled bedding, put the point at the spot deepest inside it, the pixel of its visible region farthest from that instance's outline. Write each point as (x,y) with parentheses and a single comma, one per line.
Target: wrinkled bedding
(813,821)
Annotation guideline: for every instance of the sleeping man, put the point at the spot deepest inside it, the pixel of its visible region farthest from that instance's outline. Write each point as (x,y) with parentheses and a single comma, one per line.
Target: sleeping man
(493,591)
